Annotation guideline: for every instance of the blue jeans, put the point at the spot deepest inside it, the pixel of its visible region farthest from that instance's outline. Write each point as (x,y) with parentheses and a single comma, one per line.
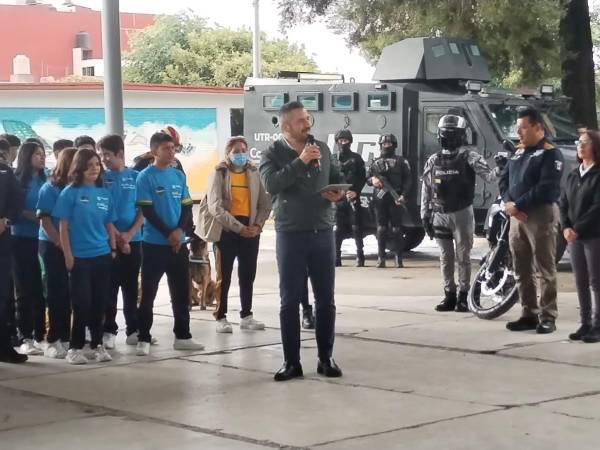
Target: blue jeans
(297,252)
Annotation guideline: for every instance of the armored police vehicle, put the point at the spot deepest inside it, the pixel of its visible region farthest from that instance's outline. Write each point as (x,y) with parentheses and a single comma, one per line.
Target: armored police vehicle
(418,81)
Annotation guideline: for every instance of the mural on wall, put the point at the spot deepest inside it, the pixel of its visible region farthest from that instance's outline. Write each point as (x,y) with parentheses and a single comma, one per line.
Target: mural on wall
(196,126)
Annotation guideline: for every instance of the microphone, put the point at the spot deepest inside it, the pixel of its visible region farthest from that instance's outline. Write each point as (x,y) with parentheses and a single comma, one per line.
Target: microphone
(316,163)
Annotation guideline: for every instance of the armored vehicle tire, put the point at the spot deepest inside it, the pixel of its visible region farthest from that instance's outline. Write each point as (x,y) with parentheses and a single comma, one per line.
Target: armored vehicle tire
(413,237)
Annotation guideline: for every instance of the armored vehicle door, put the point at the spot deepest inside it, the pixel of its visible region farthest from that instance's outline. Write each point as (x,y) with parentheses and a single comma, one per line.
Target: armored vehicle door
(431,114)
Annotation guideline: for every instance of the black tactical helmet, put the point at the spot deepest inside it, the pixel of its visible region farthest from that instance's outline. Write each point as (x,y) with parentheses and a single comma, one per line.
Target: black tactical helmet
(388,138)
(452,130)
(343,134)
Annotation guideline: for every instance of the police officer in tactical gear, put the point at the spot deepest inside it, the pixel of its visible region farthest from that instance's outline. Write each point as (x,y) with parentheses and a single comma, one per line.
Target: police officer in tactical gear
(348,210)
(391,177)
(447,206)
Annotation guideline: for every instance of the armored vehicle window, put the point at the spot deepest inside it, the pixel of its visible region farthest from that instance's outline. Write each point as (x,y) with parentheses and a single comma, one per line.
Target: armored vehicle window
(438,50)
(454,48)
(559,124)
(312,101)
(344,102)
(432,119)
(475,50)
(380,101)
(273,102)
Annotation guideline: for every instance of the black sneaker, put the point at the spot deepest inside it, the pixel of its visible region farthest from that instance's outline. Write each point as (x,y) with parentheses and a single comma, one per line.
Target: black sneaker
(308,320)
(9,355)
(581,331)
(546,326)
(592,336)
(523,324)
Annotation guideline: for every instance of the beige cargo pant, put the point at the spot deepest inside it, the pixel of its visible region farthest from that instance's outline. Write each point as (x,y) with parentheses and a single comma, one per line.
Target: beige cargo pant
(533,246)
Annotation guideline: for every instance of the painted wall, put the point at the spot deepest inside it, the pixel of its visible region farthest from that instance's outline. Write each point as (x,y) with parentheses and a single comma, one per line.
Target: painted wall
(196,126)
(201,118)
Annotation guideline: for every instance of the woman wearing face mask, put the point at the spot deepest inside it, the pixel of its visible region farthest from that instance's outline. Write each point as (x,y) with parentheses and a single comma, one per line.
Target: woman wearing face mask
(580,217)
(240,206)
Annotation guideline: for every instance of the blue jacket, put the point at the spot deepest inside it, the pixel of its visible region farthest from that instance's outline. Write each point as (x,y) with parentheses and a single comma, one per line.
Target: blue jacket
(532,177)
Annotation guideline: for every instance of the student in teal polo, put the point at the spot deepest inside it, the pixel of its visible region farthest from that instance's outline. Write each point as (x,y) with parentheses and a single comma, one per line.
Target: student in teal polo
(87,236)
(167,207)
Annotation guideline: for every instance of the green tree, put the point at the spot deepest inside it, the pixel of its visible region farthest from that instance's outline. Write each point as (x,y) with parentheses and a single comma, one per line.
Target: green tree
(521,46)
(183,50)
(525,43)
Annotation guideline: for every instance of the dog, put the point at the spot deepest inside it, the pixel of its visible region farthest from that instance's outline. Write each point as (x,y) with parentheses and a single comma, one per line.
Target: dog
(202,287)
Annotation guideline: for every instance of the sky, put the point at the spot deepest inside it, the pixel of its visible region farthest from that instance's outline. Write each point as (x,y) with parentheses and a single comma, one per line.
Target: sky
(328,50)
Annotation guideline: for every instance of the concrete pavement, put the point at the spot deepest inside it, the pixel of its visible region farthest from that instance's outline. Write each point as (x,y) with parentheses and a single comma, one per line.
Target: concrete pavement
(413,379)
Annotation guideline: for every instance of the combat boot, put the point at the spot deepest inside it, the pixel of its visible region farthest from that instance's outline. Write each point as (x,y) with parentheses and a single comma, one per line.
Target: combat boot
(461,305)
(448,303)
(380,262)
(360,258)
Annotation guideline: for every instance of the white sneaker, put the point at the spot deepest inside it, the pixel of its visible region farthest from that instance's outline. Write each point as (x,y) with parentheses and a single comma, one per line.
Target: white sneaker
(41,345)
(132,339)
(187,344)
(248,323)
(76,357)
(55,350)
(108,339)
(223,326)
(142,348)
(28,347)
(101,355)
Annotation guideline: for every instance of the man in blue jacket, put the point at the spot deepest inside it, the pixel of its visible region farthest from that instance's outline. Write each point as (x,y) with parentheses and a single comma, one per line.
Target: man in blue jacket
(530,188)
(294,170)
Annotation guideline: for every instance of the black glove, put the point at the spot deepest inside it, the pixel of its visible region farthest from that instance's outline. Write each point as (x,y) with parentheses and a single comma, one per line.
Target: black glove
(500,161)
(428,225)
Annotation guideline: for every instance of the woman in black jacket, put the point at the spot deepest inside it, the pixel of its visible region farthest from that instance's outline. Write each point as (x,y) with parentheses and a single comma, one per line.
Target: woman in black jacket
(580,216)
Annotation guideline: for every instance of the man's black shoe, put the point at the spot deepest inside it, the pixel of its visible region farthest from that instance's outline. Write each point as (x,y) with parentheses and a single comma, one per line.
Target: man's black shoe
(461,305)
(581,331)
(523,324)
(308,320)
(329,368)
(448,303)
(592,336)
(9,355)
(398,261)
(360,258)
(546,326)
(380,263)
(288,371)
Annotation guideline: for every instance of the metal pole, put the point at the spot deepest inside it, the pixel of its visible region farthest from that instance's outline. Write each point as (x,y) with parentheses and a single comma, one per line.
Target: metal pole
(256,42)
(111,51)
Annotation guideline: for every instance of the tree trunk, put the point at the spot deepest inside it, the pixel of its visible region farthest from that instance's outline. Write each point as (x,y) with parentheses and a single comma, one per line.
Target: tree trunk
(577,61)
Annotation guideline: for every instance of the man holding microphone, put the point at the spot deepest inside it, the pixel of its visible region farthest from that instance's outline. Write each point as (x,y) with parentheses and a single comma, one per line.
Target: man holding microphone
(294,171)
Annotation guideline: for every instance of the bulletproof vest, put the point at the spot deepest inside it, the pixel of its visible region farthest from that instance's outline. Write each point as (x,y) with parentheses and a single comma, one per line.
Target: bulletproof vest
(390,168)
(349,166)
(453,182)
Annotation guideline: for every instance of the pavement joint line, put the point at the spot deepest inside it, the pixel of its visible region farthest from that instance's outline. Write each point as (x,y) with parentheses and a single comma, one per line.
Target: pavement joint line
(53,422)
(574,416)
(563,398)
(113,412)
(321,379)
(408,427)
(490,352)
